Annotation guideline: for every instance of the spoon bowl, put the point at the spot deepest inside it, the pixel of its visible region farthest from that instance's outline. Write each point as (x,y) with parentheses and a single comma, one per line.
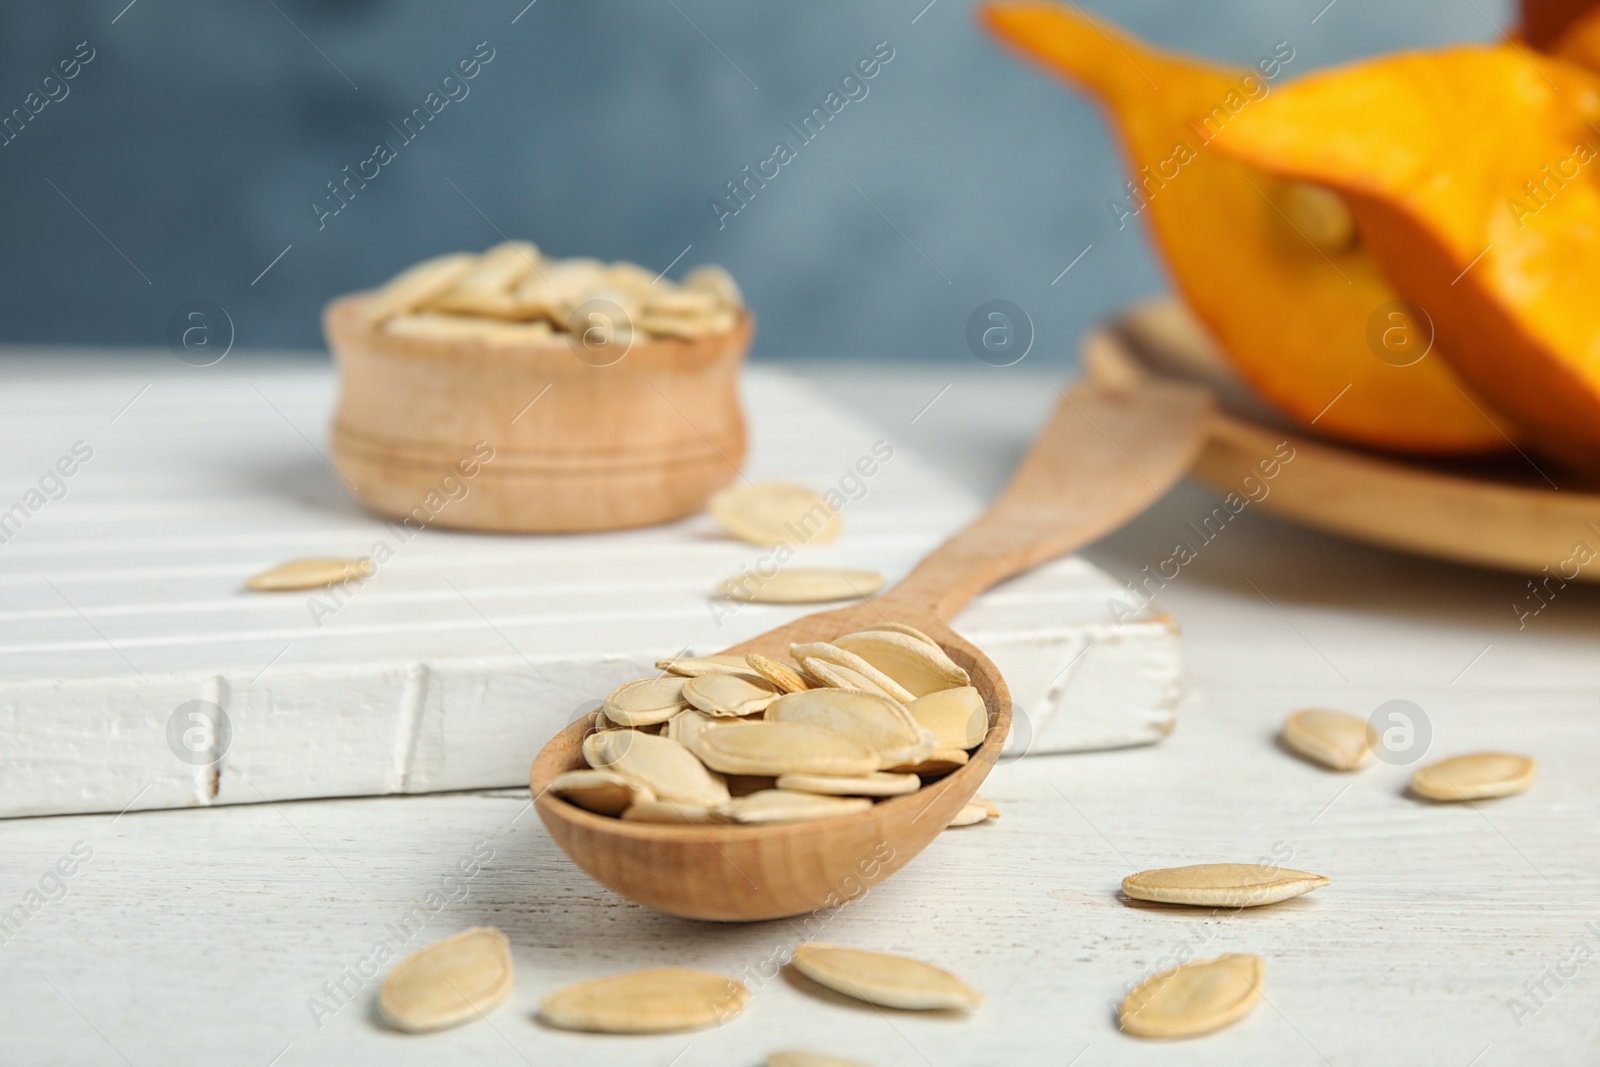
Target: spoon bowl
(1106,454)
(743,873)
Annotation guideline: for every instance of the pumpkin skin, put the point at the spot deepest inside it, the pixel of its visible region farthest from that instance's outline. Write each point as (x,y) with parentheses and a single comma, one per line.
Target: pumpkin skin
(1474,174)
(1292,318)
(1544,22)
(1580,41)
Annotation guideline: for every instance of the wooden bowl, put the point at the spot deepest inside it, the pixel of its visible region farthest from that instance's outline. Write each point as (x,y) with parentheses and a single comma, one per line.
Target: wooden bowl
(746,873)
(531,438)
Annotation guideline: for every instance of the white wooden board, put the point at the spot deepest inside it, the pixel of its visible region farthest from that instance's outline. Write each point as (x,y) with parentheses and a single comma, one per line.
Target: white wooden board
(121,600)
(202,935)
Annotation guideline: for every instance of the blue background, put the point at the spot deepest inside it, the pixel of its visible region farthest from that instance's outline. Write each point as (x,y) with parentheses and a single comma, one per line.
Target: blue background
(196,139)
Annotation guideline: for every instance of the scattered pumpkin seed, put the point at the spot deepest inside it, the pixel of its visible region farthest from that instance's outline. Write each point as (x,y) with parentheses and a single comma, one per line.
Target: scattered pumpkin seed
(309,574)
(1332,738)
(1194,998)
(884,979)
(1479,776)
(806,1059)
(969,815)
(1221,885)
(768,513)
(448,982)
(802,586)
(653,1001)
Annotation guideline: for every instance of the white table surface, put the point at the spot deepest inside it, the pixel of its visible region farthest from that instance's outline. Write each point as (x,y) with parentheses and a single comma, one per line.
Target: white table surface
(200,936)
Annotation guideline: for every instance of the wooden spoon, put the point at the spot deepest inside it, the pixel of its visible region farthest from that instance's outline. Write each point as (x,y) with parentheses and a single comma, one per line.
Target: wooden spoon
(1108,452)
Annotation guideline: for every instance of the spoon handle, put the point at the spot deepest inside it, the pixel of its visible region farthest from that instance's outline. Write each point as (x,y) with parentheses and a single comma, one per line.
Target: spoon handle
(1107,453)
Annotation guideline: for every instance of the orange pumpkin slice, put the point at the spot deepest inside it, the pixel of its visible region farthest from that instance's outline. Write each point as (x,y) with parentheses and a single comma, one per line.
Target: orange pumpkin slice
(1293,316)
(1474,174)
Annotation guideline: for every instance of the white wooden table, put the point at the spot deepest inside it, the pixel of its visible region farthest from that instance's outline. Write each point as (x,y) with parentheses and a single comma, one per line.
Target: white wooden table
(212,935)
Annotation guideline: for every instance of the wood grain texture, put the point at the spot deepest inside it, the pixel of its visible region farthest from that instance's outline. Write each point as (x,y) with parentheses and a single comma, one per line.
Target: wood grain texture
(1105,455)
(643,440)
(1507,515)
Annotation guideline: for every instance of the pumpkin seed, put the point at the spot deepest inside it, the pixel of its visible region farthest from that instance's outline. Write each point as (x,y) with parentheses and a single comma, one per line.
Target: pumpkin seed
(710,278)
(902,628)
(729,695)
(1480,776)
(682,327)
(779,748)
(681,303)
(802,586)
(876,784)
(309,574)
(658,762)
(1331,738)
(919,667)
(1194,998)
(782,678)
(849,660)
(806,1059)
(783,805)
(417,285)
(449,982)
(957,717)
(969,815)
(772,512)
(880,978)
(686,726)
(498,269)
(1221,885)
(605,792)
(693,667)
(645,702)
(670,811)
(876,722)
(654,1001)
(831,675)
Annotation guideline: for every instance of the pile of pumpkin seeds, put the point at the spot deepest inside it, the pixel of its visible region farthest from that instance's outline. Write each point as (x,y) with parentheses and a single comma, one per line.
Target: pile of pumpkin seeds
(752,740)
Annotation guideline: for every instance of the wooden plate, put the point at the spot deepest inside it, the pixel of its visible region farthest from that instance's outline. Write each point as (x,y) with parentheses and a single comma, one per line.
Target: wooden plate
(1520,513)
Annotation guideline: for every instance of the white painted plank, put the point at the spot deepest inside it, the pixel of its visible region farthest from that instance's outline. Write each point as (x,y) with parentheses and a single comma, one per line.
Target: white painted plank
(122,600)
